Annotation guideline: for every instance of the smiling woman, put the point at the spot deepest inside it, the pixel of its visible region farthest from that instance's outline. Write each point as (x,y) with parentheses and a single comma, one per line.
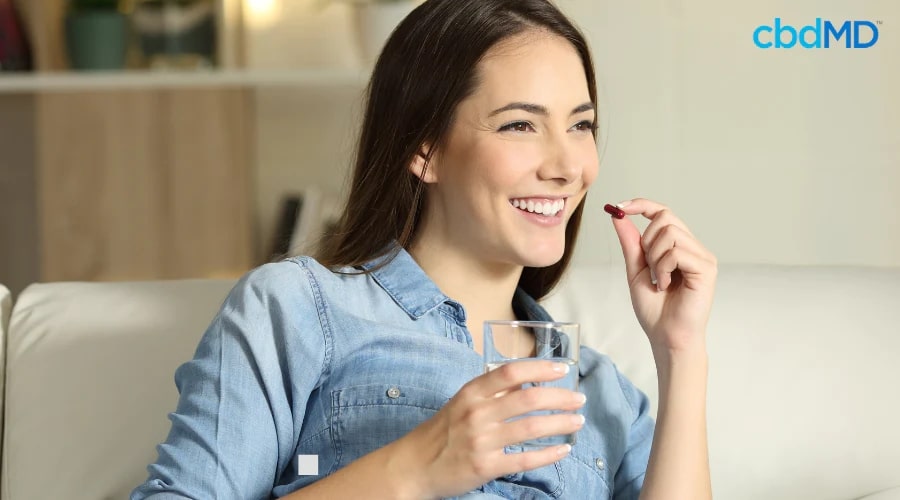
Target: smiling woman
(501,150)
(477,149)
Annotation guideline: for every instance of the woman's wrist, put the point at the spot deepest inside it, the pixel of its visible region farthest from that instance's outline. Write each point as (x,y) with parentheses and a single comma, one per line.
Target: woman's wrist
(688,363)
(690,346)
(405,467)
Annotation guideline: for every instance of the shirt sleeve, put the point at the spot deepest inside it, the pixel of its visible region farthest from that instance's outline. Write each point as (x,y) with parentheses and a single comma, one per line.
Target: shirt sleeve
(629,477)
(243,396)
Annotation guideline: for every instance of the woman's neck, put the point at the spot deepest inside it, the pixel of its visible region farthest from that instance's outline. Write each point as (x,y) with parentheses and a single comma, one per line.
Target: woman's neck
(483,288)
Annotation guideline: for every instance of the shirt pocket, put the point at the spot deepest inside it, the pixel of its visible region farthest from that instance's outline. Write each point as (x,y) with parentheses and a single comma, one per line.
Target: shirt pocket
(367,417)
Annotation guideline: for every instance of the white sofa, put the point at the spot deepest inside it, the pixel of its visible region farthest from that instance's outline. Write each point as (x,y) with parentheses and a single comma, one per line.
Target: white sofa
(803,392)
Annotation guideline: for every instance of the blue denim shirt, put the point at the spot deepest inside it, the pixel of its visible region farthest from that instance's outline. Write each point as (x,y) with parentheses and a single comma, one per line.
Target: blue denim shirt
(304,361)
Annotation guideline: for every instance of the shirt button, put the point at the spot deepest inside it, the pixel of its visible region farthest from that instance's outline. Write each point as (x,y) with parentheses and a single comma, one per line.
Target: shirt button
(393,393)
(600,464)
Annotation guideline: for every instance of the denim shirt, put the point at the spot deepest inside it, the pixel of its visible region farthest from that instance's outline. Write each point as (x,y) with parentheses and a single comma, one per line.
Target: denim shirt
(301,360)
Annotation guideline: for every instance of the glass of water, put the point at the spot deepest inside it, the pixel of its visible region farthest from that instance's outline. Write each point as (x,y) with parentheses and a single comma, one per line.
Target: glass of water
(514,341)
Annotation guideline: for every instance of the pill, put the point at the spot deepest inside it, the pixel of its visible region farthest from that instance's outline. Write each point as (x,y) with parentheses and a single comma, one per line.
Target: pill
(614,211)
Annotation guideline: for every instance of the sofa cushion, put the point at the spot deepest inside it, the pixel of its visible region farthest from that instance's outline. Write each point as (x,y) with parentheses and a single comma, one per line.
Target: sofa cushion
(803,370)
(891,494)
(802,396)
(90,382)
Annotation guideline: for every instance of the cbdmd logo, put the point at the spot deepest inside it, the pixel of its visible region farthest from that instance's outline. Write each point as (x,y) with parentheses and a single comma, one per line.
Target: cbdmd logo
(822,34)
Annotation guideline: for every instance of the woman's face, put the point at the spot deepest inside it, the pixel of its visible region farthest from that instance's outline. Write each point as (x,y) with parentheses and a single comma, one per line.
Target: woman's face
(519,157)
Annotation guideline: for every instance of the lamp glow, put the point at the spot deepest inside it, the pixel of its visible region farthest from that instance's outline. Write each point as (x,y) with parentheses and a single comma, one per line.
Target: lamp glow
(262,13)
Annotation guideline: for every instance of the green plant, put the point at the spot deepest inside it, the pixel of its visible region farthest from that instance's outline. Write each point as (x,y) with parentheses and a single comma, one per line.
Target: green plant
(82,5)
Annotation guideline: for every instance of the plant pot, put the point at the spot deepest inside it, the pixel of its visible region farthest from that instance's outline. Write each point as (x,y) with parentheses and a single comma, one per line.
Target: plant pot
(374,23)
(97,40)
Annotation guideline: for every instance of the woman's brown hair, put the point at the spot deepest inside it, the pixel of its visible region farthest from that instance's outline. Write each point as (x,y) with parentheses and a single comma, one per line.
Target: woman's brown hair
(427,66)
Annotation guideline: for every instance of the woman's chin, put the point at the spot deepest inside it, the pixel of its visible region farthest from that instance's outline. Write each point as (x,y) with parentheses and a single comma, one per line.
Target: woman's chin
(543,257)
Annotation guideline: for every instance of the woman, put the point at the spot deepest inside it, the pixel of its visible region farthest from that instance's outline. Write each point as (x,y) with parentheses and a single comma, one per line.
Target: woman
(358,374)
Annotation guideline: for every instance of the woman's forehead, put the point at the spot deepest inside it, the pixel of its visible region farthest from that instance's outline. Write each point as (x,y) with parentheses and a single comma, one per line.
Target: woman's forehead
(532,66)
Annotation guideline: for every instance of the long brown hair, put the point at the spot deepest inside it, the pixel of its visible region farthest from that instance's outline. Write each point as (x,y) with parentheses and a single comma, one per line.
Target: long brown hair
(427,66)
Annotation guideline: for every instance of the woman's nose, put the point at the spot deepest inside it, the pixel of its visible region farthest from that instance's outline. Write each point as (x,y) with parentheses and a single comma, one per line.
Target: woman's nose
(560,162)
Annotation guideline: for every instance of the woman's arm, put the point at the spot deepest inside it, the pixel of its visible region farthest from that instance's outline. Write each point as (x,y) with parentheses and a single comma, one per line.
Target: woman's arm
(462,446)
(672,279)
(233,428)
(679,463)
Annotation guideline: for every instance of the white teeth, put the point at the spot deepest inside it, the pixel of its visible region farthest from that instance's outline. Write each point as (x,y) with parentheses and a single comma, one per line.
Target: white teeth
(543,208)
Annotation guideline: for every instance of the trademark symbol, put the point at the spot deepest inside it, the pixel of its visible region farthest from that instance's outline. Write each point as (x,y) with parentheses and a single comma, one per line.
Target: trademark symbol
(879,22)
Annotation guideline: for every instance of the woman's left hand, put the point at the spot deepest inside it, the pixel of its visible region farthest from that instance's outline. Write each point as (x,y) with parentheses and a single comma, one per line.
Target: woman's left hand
(675,314)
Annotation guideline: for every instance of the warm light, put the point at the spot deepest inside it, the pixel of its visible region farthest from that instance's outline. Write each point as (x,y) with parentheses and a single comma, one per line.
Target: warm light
(262,13)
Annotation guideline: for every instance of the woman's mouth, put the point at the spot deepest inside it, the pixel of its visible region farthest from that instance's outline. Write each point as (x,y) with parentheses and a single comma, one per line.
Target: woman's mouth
(541,206)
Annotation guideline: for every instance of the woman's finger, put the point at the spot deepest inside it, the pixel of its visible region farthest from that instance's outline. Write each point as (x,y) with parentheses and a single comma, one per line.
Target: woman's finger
(642,206)
(512,375)
(690,264)
(662,220)
(517,403)
(529,460)
(535,427)
(668,238)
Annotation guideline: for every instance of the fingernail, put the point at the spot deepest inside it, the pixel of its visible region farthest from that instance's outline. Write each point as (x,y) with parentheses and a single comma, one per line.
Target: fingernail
(652,277)
(560,368)
(578,419)
(623,204)
(562,450)
(580,398)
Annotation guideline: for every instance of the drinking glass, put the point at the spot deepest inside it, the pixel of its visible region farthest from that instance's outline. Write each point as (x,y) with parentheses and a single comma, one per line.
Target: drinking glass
(515,341)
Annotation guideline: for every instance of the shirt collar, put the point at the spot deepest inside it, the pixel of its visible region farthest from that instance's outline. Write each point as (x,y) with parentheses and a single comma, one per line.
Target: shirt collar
(406,282)
(414,291)
(527,308)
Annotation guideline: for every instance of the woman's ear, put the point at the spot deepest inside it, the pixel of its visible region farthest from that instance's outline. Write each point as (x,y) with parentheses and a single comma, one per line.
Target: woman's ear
(422,167)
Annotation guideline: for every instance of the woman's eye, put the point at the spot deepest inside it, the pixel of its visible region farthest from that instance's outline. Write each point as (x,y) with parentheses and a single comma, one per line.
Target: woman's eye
(585,126)
(516,127)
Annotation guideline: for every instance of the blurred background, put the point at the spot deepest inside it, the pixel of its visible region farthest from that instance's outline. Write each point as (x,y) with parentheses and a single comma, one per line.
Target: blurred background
(160,139)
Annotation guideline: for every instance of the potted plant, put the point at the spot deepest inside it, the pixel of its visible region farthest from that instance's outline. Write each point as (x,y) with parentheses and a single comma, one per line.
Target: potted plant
(373,22)
(96,35)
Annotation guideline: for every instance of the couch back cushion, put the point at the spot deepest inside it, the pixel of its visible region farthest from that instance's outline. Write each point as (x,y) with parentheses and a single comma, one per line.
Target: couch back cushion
(802,377)
(804,367)
(90,382)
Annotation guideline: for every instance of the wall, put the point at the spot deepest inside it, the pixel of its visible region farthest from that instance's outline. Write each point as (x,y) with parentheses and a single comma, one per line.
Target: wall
(777,156)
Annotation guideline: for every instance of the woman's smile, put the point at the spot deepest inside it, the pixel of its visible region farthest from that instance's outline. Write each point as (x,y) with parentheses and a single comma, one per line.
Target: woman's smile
(543,211)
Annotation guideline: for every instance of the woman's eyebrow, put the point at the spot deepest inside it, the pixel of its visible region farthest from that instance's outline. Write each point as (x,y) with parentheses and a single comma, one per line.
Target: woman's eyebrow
(537,109)
(588,106)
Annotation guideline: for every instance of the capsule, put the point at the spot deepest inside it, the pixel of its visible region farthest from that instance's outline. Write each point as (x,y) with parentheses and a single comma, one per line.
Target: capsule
(614,211)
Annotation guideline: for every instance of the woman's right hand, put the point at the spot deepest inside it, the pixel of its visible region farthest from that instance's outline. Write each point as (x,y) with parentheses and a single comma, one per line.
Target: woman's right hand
(462,446)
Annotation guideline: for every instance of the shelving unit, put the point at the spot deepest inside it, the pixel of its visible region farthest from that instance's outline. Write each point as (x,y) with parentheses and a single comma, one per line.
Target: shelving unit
(143,174)
(147,174)
(175,80)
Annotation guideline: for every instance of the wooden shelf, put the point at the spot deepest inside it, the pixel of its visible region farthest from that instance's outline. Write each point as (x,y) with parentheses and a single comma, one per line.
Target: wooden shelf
(11,83)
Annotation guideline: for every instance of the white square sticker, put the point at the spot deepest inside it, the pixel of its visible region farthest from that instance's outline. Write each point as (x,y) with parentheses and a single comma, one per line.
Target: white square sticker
(308,465)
